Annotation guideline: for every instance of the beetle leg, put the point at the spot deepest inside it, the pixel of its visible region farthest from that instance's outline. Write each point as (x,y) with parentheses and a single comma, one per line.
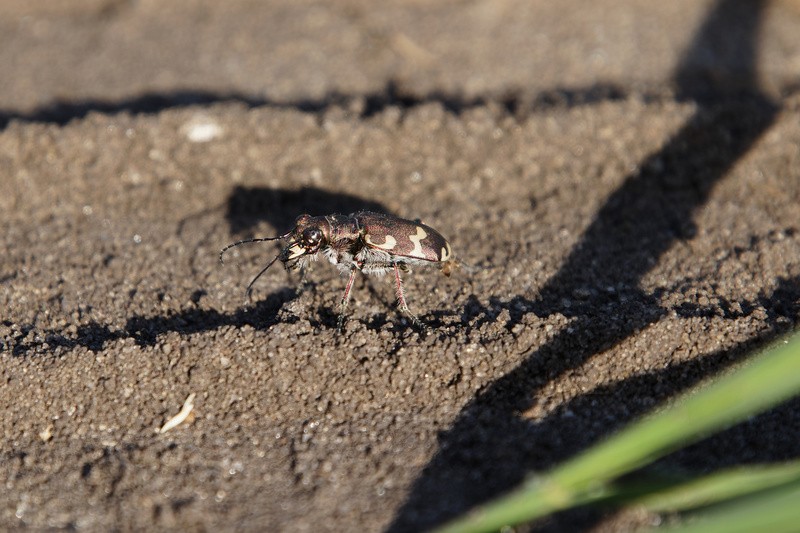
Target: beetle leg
(304,282)
(401,299)
(345,297)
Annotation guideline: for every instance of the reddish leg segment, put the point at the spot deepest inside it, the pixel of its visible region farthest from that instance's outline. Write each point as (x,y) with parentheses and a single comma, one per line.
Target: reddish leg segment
(345,297)
(401,299)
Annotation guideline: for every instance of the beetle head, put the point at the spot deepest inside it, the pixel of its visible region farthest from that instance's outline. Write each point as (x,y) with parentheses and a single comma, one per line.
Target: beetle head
(308,236)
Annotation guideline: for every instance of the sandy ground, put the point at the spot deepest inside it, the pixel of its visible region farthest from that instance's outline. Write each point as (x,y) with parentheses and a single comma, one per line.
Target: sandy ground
(624,177)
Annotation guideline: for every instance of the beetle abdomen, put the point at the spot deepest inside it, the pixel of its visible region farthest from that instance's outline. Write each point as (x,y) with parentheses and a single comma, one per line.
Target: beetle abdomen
(403,238)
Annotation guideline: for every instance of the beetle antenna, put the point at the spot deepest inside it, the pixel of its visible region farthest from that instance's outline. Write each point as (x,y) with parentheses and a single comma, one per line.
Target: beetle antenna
(250,287)
(246,241)
(457,264)
(468,268)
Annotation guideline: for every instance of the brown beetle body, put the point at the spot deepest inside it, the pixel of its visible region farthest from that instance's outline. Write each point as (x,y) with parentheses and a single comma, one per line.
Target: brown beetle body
(373,243)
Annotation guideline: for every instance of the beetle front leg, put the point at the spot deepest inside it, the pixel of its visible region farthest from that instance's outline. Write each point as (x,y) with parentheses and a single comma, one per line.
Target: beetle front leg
(304,283)
(345,297)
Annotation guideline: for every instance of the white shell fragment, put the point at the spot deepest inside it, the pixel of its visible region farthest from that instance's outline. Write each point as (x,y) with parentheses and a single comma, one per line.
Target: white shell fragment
(202,129)
(178,419)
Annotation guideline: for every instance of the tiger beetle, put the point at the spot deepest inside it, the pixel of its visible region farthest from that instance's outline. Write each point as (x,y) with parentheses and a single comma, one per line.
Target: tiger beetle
(373,243)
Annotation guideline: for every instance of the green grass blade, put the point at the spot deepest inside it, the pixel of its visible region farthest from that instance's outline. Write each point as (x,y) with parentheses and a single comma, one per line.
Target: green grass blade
(775,511)
(764,381)
(720,486)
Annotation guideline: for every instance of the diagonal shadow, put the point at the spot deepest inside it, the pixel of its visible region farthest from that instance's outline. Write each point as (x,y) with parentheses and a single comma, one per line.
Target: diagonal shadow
(563,432)
(490,447)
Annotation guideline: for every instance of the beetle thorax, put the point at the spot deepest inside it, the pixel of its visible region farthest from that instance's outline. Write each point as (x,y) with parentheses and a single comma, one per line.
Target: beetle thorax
(342,227)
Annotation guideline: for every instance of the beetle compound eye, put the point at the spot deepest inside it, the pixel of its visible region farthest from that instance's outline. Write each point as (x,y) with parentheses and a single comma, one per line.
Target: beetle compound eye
(312,237)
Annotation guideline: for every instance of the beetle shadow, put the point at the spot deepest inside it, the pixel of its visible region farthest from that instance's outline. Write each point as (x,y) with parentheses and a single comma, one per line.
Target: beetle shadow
(492,445)
(146,330)
(246,207)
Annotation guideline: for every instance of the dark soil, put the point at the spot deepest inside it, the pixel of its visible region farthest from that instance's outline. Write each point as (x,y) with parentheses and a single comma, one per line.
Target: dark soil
(624,182)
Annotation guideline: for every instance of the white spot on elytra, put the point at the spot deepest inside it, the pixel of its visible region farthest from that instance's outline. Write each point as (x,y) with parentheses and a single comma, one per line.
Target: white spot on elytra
(417,240)
(389,244)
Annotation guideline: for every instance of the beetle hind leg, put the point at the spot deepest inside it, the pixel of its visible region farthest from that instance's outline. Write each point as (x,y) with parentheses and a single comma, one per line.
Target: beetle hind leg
(401,299)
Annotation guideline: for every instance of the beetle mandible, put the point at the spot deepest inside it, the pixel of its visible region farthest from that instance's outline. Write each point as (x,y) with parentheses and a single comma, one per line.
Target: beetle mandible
(373,243)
